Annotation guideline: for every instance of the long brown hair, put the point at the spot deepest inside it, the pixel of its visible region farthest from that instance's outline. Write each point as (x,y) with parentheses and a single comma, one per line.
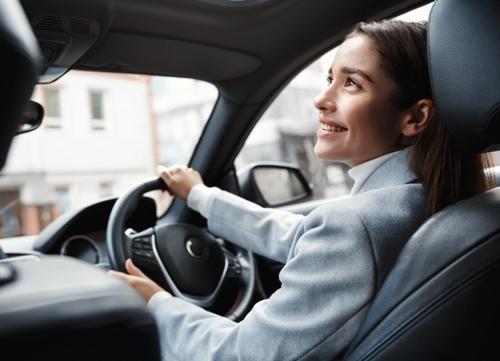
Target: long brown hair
(447,172)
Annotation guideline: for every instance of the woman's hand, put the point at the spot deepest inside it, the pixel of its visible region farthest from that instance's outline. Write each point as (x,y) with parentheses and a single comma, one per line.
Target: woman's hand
(180,179)
(138,280)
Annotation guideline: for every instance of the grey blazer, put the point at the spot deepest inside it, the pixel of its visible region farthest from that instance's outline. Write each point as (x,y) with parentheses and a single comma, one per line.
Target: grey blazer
(335,259)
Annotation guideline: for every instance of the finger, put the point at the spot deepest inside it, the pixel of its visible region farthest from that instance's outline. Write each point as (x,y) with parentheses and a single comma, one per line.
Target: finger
(114,273)
(120,275)
(167,172)
(164,174)
(133,270)
(175,169)
(161,169)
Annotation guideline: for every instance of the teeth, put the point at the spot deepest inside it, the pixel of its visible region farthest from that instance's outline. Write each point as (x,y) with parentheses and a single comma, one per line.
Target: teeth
(331,128)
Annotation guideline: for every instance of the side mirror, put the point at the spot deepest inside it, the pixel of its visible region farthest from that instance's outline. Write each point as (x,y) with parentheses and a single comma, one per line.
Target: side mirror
(32,117)
(273,184)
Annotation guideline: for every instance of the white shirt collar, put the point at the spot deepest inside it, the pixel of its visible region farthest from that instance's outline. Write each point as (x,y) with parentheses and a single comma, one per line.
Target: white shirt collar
(361,172)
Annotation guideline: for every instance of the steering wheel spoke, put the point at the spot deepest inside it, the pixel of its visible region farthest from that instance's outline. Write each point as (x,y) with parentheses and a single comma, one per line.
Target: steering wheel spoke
(141,244)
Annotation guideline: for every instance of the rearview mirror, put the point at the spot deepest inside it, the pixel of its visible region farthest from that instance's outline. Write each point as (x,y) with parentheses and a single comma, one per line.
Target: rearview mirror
(32,118)
(274,184)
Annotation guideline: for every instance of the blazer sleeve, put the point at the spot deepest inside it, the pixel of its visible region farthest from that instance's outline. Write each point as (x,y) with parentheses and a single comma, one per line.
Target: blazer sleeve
(326,285)
(265,231)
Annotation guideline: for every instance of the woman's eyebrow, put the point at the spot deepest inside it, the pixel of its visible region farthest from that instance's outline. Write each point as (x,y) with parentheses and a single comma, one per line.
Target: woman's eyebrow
(349,70)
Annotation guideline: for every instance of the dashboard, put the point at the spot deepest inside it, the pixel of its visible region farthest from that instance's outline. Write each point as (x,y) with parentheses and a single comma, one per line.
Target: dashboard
(82,233)
(90,247)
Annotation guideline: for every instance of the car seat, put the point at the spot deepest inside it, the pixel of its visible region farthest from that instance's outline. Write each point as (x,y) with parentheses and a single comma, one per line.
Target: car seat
(441,301)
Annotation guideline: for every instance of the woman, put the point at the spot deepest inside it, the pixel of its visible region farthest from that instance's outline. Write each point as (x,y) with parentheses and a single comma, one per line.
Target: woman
(377,115)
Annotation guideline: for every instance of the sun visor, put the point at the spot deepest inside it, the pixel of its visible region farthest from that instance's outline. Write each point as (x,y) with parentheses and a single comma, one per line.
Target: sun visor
(63,41)
(172,57)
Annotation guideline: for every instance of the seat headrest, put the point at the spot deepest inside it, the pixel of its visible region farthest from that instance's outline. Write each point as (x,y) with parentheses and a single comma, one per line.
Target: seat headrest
(20,65)
(464,62)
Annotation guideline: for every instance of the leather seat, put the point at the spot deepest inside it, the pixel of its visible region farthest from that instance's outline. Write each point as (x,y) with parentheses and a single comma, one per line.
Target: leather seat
(58,308)
(441,301)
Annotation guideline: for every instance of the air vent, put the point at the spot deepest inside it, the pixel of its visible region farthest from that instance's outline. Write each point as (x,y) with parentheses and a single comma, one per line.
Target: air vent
(49,23)
(80,27)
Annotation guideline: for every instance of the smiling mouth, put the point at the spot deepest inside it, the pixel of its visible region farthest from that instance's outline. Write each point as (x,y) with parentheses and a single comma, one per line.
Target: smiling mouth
(332,128)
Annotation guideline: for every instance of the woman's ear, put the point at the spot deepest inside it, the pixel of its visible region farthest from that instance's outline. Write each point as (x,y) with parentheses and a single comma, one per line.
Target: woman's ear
(417,117)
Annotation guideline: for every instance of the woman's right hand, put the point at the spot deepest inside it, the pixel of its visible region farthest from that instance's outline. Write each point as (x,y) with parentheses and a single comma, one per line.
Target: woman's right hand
(180,179)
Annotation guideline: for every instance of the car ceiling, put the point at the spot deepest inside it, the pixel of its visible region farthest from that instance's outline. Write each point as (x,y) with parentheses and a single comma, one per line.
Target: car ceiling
(248,49)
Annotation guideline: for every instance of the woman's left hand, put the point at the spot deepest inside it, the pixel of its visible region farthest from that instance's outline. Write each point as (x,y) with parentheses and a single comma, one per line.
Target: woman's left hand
(138,280)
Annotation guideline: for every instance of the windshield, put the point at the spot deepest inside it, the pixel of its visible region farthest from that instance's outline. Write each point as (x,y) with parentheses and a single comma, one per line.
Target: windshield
(102,134)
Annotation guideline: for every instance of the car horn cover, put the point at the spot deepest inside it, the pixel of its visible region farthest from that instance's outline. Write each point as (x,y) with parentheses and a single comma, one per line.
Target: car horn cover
(192,258)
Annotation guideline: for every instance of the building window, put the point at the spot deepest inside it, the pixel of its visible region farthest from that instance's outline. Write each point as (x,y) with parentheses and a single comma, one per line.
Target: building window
(10,214)
(97,109)
(106,189)
(63,199)
(52,102)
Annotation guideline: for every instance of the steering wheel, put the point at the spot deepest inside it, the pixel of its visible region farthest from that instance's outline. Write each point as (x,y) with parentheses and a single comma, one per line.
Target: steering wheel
(186,260)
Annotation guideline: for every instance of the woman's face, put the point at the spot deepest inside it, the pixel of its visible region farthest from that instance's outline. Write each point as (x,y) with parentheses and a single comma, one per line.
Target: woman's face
(358,117)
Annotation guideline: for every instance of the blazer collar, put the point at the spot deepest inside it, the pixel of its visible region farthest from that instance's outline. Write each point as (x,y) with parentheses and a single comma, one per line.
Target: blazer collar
(394,171)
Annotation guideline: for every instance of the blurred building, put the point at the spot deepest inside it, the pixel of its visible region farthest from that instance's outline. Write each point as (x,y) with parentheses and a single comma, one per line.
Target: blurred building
(95,142)
(182,107)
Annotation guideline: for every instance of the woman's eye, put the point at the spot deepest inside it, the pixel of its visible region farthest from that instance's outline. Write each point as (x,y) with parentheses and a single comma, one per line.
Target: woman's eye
(329,80)
(351,83)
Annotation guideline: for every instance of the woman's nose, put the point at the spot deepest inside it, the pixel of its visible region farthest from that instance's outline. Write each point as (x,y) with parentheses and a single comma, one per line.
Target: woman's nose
(325,101)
